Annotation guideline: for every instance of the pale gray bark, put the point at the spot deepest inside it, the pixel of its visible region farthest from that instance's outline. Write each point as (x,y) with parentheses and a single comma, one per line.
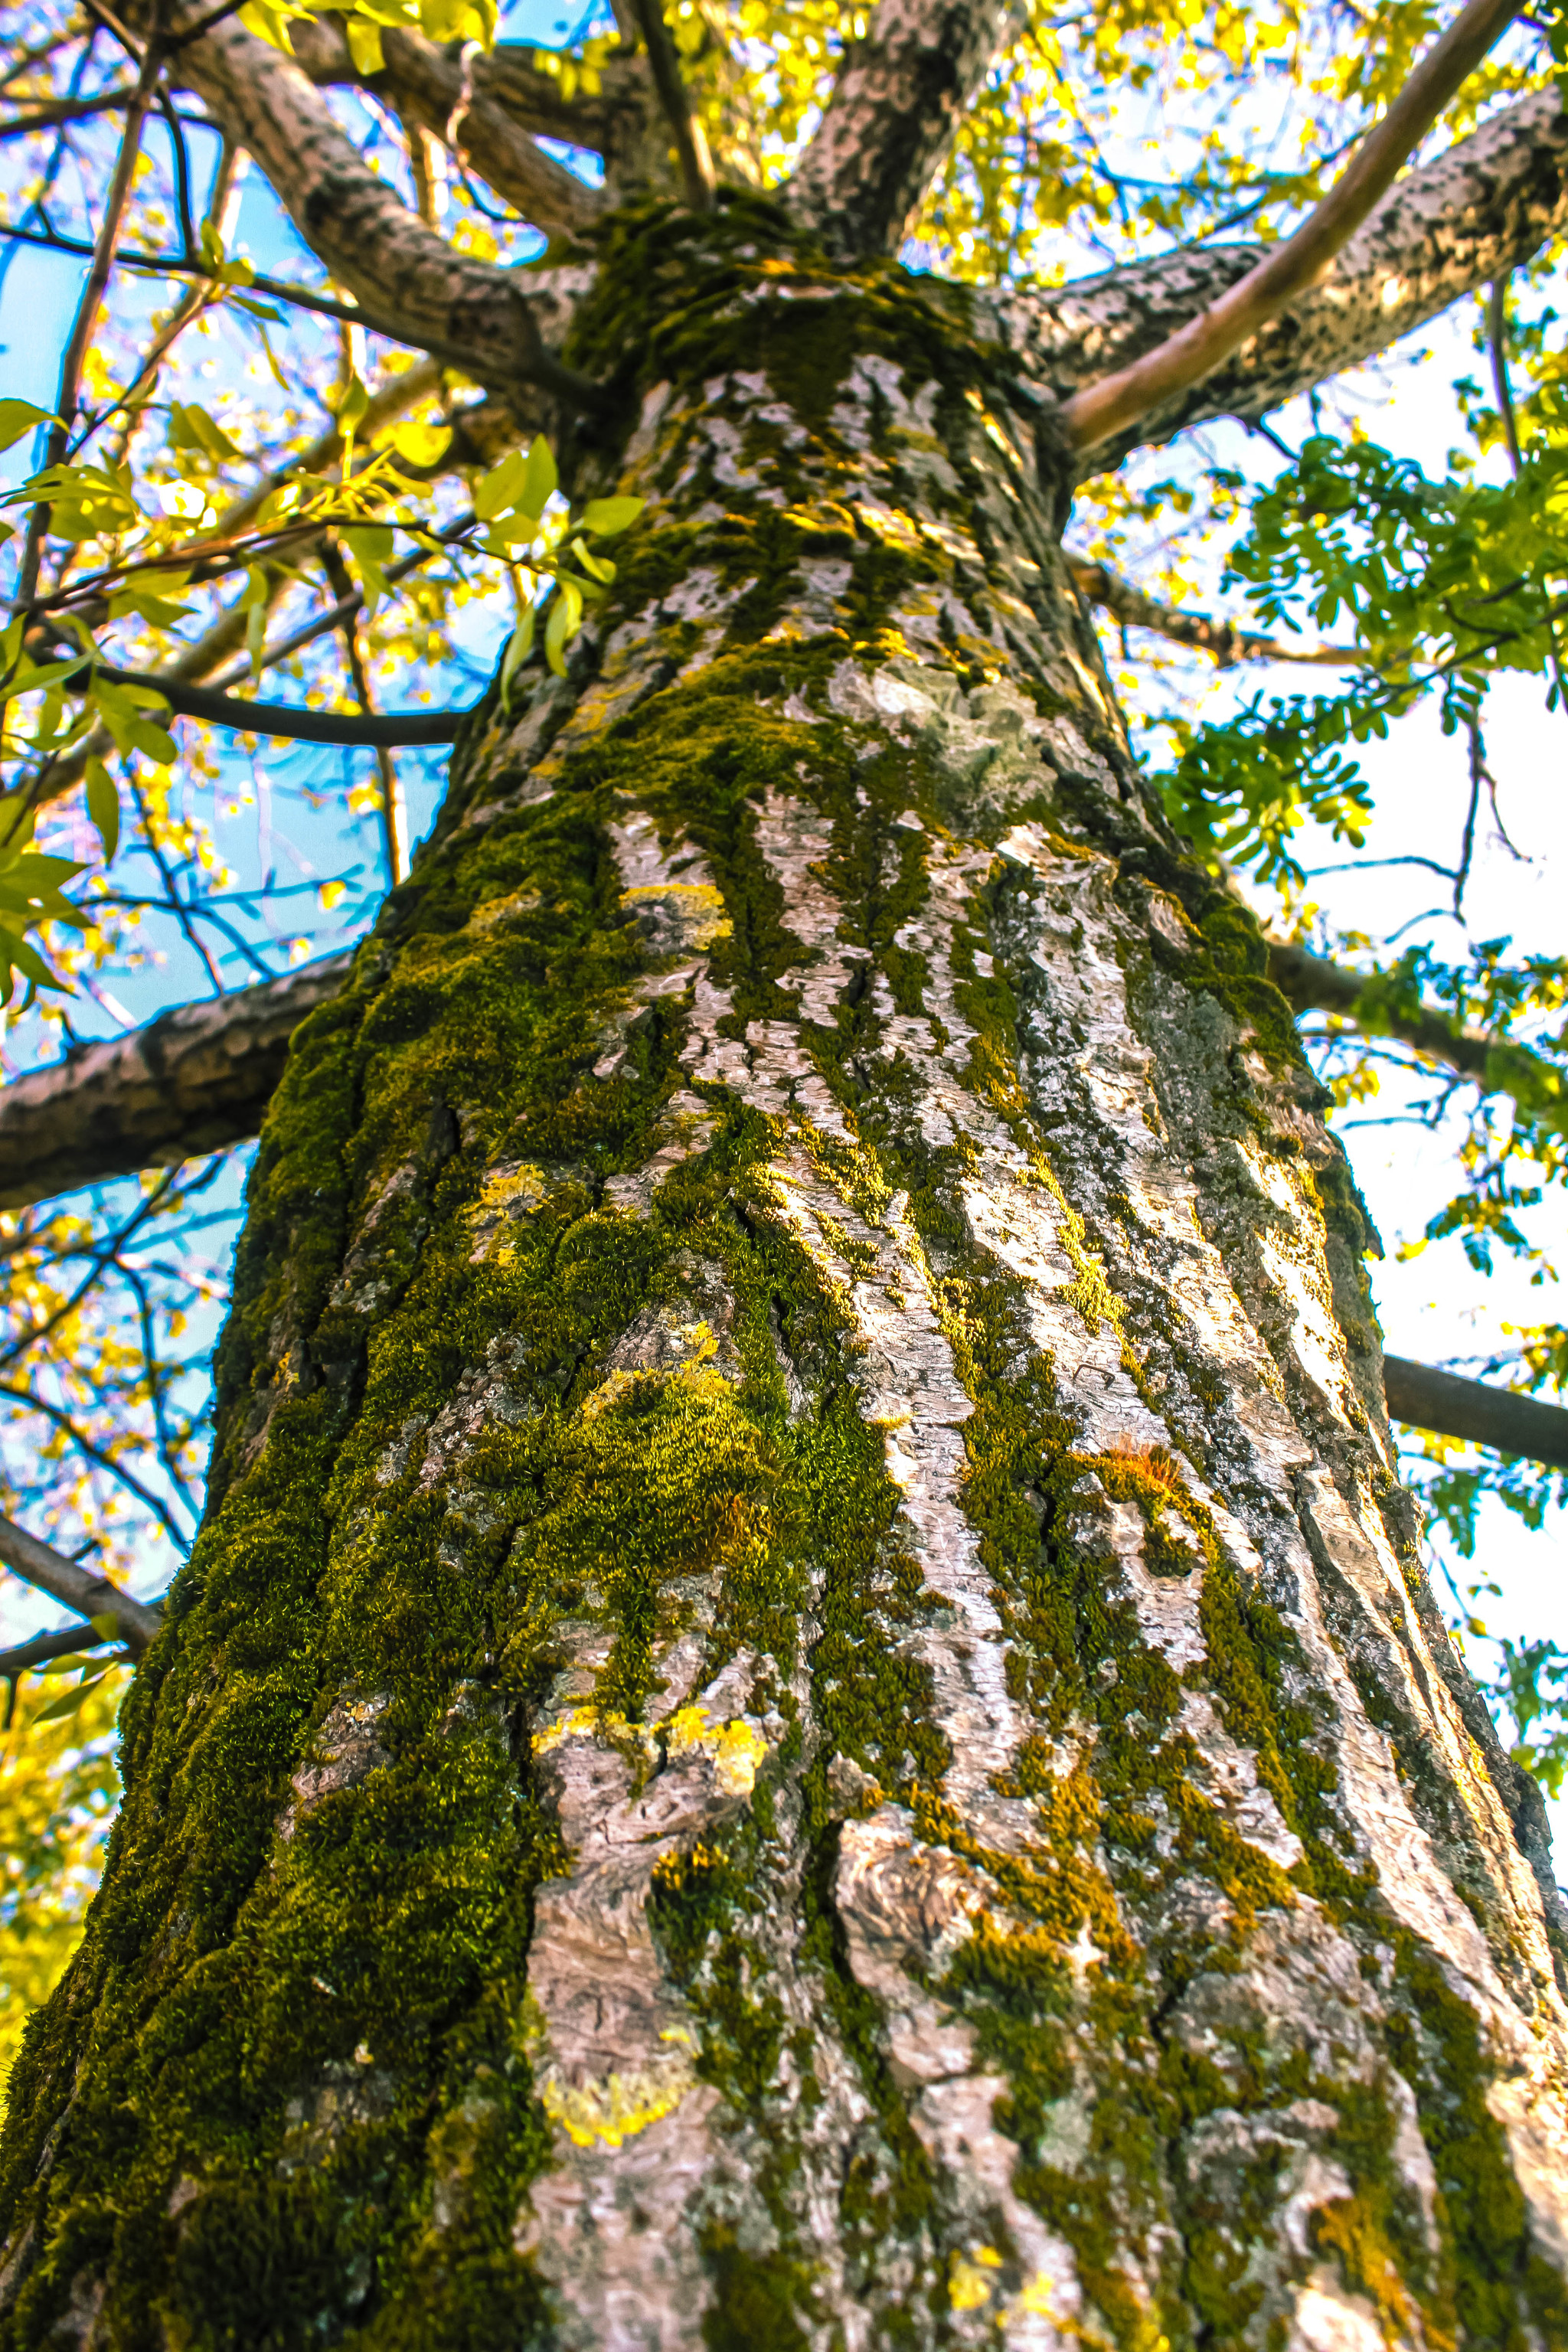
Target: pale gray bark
(1486,205)
(895,110)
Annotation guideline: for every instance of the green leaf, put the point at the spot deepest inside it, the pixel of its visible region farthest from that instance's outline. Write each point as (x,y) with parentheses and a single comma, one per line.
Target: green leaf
(19,416)
(605,517)
(78,1662)
(352,407)
(497,490)
(518,648)
(566,619)
(69,1701)
(103,807)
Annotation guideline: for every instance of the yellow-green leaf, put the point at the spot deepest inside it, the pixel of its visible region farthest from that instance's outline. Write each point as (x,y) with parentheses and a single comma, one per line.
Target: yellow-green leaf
(605,517)
(540,476)
(19,416)
(364,43)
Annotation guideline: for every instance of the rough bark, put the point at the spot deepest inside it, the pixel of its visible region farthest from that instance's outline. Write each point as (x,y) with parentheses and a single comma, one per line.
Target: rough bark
(806,1714)
(194,1080)
(1486,205)
(895,110)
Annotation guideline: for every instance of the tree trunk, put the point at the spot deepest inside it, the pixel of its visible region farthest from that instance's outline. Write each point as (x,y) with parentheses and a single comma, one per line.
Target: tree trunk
(806,1714)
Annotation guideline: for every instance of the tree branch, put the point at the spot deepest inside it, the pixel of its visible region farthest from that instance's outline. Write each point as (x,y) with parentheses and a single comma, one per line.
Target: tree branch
(201,1075)
(196,1079)
(91,1596)
(1497,1065)
(1196,349)
(1482,207)
(436,90)
(408,282)
(45,1647)
(691,140)
(64,110)
(895,109)
(1227,643)
(290,721)
(1502,1419)
(417,72)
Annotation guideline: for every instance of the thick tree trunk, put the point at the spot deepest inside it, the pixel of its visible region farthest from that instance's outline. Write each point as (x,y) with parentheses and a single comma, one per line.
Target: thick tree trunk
(806,1714)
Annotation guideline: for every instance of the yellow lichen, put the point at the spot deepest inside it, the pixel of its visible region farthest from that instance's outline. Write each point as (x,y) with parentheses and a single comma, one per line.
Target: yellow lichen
(681,916)
(967,2285)
(736,1747)
(605,2113)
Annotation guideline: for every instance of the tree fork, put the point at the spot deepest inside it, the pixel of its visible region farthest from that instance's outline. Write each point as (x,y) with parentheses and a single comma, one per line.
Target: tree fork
(806,1712)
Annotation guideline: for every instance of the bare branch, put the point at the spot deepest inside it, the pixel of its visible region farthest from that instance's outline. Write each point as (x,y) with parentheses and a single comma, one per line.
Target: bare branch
(91,1596)
(1222,639)
(1483,207)
(44,1648)
(1497,1065)
(691,140)
(895,109)
(1195,351)
(288,720)
(1423,1398)
(64,110)
(196,1079)
(436,91)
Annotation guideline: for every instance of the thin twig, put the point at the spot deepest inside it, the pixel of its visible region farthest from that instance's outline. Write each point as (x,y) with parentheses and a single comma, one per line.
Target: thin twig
(92,292)
(64,110)
(337,573)
(1468,838)
(85,1446)
(181,162)
(205,23)
(44,1648)
(286,720)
